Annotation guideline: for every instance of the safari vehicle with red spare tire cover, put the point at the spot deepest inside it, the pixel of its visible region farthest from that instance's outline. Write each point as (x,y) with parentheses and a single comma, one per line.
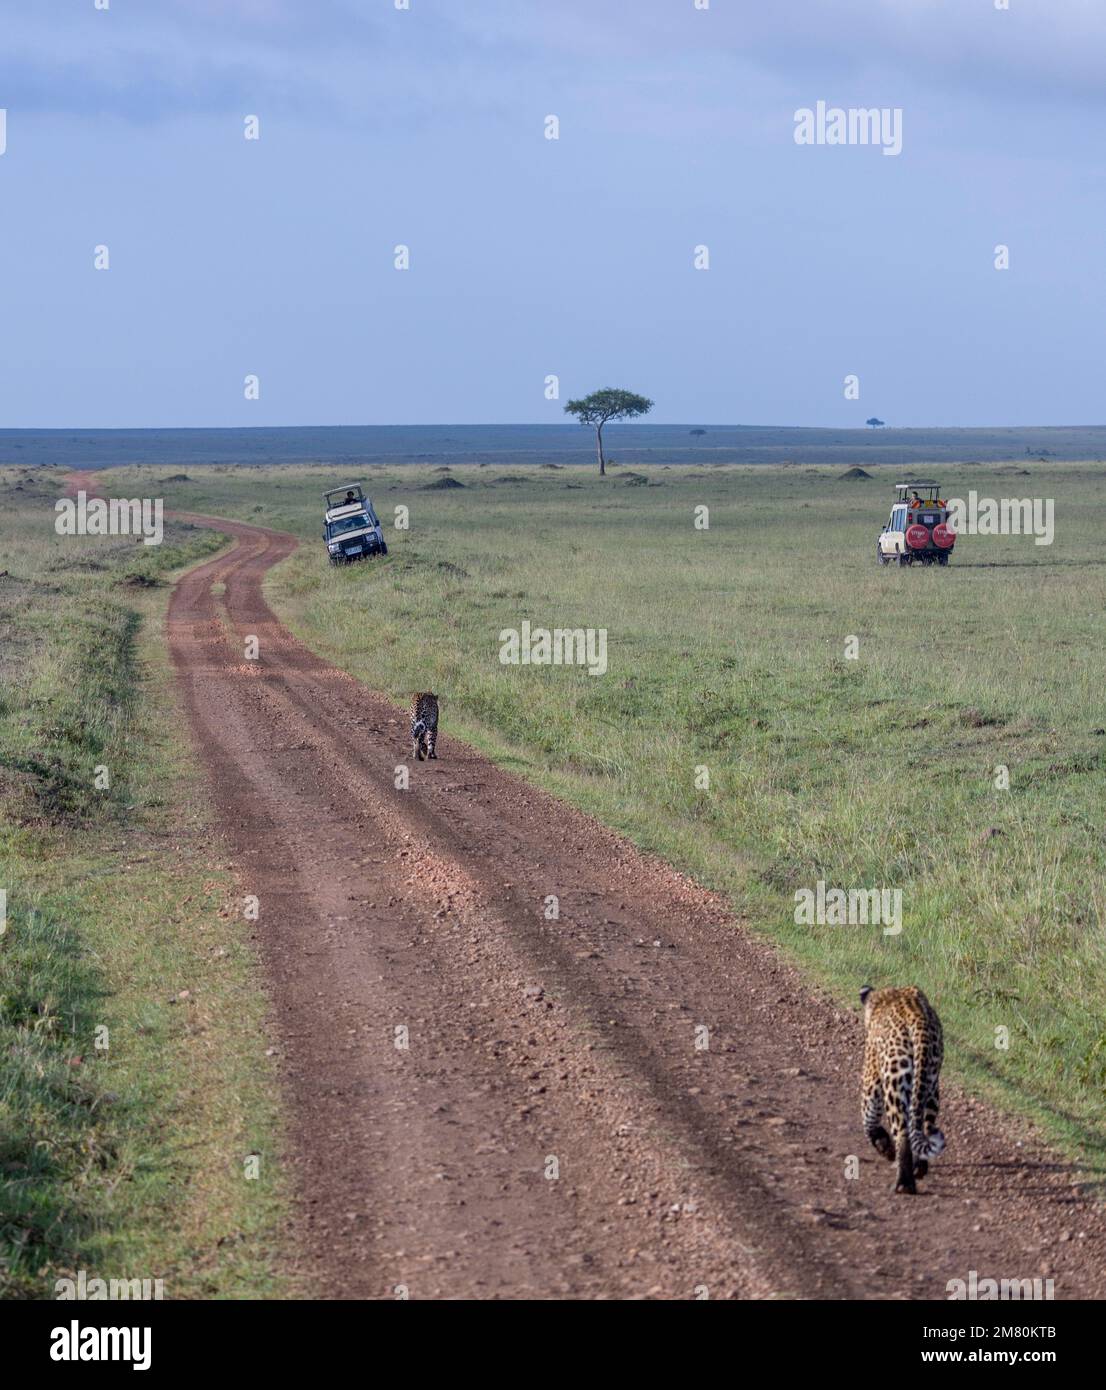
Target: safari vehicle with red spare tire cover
(918,532)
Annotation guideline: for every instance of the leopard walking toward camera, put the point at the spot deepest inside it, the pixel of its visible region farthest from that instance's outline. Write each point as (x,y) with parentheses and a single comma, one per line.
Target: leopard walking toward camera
(900,1098)
(424,726)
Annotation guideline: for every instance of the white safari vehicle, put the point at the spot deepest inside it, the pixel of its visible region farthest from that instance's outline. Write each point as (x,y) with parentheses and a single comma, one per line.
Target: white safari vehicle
(351,528)
(918,532)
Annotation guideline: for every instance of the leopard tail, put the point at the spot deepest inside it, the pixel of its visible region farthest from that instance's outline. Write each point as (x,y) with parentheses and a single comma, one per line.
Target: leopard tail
(919,1145)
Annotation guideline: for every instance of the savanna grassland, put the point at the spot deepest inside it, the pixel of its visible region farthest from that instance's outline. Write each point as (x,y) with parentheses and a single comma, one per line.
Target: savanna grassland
(133,1076)
(727,651)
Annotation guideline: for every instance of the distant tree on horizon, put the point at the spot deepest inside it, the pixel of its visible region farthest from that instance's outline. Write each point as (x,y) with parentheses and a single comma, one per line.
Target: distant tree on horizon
(875,423)
(601,407)
(697,431)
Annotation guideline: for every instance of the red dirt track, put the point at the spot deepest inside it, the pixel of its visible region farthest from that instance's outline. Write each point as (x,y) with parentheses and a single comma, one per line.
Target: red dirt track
(551,1046)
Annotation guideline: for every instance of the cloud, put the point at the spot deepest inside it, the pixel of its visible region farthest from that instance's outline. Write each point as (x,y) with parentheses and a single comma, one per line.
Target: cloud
(1038,48)
(148,63)
(202,57)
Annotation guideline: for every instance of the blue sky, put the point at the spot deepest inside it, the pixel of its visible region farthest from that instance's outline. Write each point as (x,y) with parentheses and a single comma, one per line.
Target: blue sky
(532,257)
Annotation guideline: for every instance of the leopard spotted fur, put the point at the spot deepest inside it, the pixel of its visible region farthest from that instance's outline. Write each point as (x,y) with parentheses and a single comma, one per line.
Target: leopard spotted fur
(903,1050)
(424,726)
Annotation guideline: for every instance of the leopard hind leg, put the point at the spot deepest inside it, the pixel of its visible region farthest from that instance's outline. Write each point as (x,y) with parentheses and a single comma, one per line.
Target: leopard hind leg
(874,1132)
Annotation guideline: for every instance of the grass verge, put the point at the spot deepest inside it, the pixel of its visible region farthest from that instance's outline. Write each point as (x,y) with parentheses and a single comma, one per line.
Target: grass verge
(134,1084)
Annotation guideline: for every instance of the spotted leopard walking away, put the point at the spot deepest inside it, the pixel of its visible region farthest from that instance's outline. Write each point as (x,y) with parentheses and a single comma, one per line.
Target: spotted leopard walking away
(424,726)
(903,1050)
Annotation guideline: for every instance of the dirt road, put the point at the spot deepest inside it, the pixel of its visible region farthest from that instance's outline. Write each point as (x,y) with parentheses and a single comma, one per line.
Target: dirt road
(489,1102)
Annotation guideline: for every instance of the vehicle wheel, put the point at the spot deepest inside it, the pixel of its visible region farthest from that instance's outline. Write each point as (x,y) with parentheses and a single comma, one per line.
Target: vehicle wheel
(383,547)
(904,558)
(942,559)
(880,557)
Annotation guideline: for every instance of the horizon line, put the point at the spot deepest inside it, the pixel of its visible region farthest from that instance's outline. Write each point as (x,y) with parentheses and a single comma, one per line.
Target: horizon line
(864,429)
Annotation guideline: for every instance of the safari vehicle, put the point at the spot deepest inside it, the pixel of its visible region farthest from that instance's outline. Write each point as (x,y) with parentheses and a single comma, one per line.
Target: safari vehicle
(351,529)
(918,532)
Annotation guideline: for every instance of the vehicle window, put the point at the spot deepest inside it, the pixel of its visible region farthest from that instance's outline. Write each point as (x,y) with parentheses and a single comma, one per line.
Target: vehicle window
(349,523)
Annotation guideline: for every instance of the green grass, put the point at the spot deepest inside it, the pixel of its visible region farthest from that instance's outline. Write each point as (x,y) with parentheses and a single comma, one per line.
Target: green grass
(133,1080)
(727,650)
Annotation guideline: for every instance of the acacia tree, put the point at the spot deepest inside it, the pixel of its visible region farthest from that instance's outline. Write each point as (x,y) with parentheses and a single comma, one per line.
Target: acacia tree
(601,407)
